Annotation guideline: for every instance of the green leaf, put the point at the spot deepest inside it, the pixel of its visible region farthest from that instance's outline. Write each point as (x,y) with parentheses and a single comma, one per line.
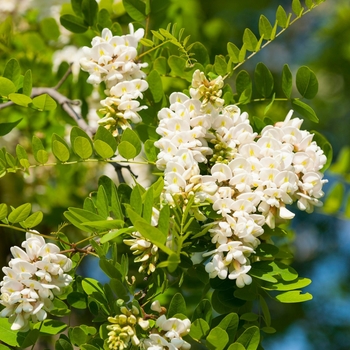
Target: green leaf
(250,338)
(199,329)
(309,4)
(136,200)
(110,269)
(294,296)
(220,65)
(203,311)
(103,149)
(249,39)
(346,213)
(91,286)
(7,87)
(177,305)
(73,23)
(135,9)
(297,8)
(44,103)
(151,151)
(20,99)
(7,335)
(12,72)
(217,339)
(82,147)
(263,80)
(157,35)
(60,150)
(106,137)
(148,231)
(155,85)
(76,6)
(127,150)
(177,65)
(3,347)
(33,220)
(102,202)
(243,82)
(305,110)
(265,270)
(334,199)
(22,156)
(230,324)
(81,143)
(3,211)
(306,82)
(49,29)
(38,150)
(233,52)
(63,344)
(265,28)
(131,136)
(89,8)
(266,250)
(301,282)
(160,65)
(51,327)
(114,234)
(200,53)
(20,213)
(236,346)
(281,16)
(104,19)
(5,128)
(77,336)
(287,81)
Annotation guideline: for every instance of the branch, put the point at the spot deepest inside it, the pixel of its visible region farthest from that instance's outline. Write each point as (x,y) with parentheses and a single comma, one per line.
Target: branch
(66,103)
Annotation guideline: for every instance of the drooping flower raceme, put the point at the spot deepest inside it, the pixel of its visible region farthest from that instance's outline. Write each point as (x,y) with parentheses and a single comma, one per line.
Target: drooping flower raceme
(248,178)
(111,60)
(34,275)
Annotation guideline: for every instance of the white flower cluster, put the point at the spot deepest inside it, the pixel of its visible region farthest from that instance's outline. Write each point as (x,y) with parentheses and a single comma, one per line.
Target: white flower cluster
(111,60)
(146,252)
(33,276)
(169,332)
(248,178)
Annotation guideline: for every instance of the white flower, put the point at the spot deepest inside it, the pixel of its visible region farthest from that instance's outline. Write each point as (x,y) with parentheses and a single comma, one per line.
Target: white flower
(33,273)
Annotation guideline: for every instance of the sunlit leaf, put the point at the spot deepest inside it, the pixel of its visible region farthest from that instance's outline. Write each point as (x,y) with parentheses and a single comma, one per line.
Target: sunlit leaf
(294,296)
(20,213)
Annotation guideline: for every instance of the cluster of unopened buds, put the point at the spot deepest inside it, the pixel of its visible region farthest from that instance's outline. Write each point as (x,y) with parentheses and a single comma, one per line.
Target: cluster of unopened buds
(111,60)
(122,330)
(35,274)
(162,334)
(249,178)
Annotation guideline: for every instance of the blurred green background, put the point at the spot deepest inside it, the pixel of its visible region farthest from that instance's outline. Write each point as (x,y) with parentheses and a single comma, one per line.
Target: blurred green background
(320,40)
